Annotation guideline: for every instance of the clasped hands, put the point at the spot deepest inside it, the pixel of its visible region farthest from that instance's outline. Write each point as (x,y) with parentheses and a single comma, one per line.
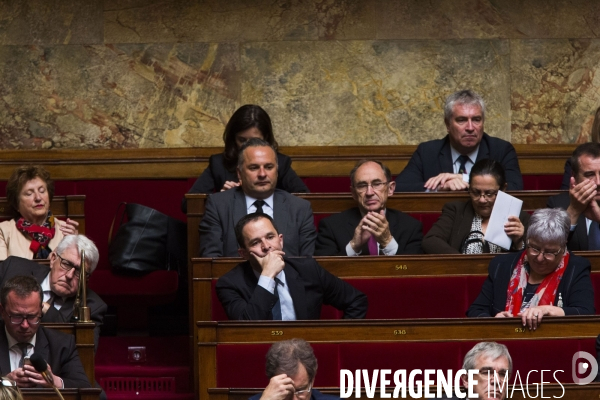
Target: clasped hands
(446,182)
(581,200)
(372,224)
(27,377)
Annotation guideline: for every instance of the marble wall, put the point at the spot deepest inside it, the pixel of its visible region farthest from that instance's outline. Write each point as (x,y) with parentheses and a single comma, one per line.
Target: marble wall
(169,73)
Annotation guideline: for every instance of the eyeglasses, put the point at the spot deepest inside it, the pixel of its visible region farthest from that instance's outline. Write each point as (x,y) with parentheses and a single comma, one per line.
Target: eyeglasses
(363,187)
(68,265)
(486,195)
(302,394)
(488,373)
(534,251)
(31,319)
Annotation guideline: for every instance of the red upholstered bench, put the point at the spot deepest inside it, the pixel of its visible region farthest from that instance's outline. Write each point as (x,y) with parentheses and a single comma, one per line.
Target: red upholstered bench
(242,365)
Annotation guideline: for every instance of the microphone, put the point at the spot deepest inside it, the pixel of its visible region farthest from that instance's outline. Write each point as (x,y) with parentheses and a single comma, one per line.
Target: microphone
(41,366)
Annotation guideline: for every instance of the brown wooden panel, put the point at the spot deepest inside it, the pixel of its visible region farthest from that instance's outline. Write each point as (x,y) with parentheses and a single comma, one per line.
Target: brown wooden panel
(68,394)
(84,340)
(571,392)
(190,162)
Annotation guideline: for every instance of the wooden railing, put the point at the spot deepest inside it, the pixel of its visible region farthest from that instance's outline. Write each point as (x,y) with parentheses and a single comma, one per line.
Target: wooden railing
(84,340)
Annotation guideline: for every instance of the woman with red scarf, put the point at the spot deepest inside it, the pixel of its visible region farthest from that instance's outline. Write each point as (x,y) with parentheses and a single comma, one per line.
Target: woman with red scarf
(34,231)
(543,280)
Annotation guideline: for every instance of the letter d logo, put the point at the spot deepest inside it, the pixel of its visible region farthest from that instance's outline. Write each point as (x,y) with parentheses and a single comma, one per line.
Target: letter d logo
(579,367)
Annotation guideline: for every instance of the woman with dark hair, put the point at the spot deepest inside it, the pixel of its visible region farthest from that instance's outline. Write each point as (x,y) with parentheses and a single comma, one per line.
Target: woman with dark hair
(34,232)
(248,121)
(595,138)
(462,225)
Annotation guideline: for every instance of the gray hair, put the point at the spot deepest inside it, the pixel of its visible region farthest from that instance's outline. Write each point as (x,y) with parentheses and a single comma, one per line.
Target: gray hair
(492,350)
(81,242)
(254,142)
(549,225)
(283,358)
(462,97)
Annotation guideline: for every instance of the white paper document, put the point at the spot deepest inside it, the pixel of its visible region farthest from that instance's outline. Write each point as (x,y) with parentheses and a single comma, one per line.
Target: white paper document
(505,206)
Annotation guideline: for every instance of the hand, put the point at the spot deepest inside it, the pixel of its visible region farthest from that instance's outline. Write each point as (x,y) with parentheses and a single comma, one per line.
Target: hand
(454,184)
(70,228)
(438,181)
(592,211)
(229,185)
(37,379)
(280,386)
(503,314)
(360,238)
(532,316)
(271,264)
(378,226)
(581,197)
(20,377)
(515,230)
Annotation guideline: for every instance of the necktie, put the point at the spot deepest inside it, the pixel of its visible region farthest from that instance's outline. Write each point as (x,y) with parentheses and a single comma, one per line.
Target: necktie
(594,236)
(23,347)
(259,206)
(277,307)
(373,248)
(463,164)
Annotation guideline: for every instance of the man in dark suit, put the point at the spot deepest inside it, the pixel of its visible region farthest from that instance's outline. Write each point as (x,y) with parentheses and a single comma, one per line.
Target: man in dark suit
(21,335)
(60,282)
(444,164)
(291,369)
(257,171)
(582,200)
(269,287)
(370,228)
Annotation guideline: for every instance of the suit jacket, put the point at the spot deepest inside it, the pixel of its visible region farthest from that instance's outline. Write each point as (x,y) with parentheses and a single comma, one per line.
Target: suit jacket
(434,157)
(310,286)
(14,266)
(449,232)
(598,357)
(578,239)
(336,231)
(293,217)
(58,349)
(314,395)
(14,243)
(575,287)
(214,177)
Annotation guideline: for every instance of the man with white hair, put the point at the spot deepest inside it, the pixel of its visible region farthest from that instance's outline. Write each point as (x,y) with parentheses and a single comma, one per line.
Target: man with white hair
(60,281)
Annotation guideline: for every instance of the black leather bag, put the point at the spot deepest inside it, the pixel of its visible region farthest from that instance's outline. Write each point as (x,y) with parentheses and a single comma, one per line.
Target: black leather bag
(149,241)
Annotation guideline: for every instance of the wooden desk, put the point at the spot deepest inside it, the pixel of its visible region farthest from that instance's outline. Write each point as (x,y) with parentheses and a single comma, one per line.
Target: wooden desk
(212,334)
(84,340)
(62,207)
(572,392)
(68,394)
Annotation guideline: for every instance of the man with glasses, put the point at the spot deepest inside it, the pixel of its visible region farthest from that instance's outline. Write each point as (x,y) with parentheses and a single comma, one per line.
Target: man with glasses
(370,228)
(21,335)
(444,164)
(494,364)
(581,202)
(291,369)
(60,282)
(544,280)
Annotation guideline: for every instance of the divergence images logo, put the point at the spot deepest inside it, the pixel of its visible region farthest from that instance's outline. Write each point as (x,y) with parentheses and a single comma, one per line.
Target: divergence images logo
(579,367)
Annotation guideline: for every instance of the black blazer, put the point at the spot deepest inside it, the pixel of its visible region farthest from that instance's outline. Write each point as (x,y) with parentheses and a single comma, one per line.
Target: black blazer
(14,266)
(336,231)
(575,287)
(578,239)
(310,286)
(448,233)
(215,175)
(434,157)
(598,357)
(58,349)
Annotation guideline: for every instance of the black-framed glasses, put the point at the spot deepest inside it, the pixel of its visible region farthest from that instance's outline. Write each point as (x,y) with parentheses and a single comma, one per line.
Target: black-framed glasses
(31,319)
(68,265)
(363,187)
(302,394)
(534,251)
(489,195)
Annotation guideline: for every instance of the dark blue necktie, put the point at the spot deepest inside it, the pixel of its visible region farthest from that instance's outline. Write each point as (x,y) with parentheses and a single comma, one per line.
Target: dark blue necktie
(594,236)
(259,204)
(463,164)
(277,307)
